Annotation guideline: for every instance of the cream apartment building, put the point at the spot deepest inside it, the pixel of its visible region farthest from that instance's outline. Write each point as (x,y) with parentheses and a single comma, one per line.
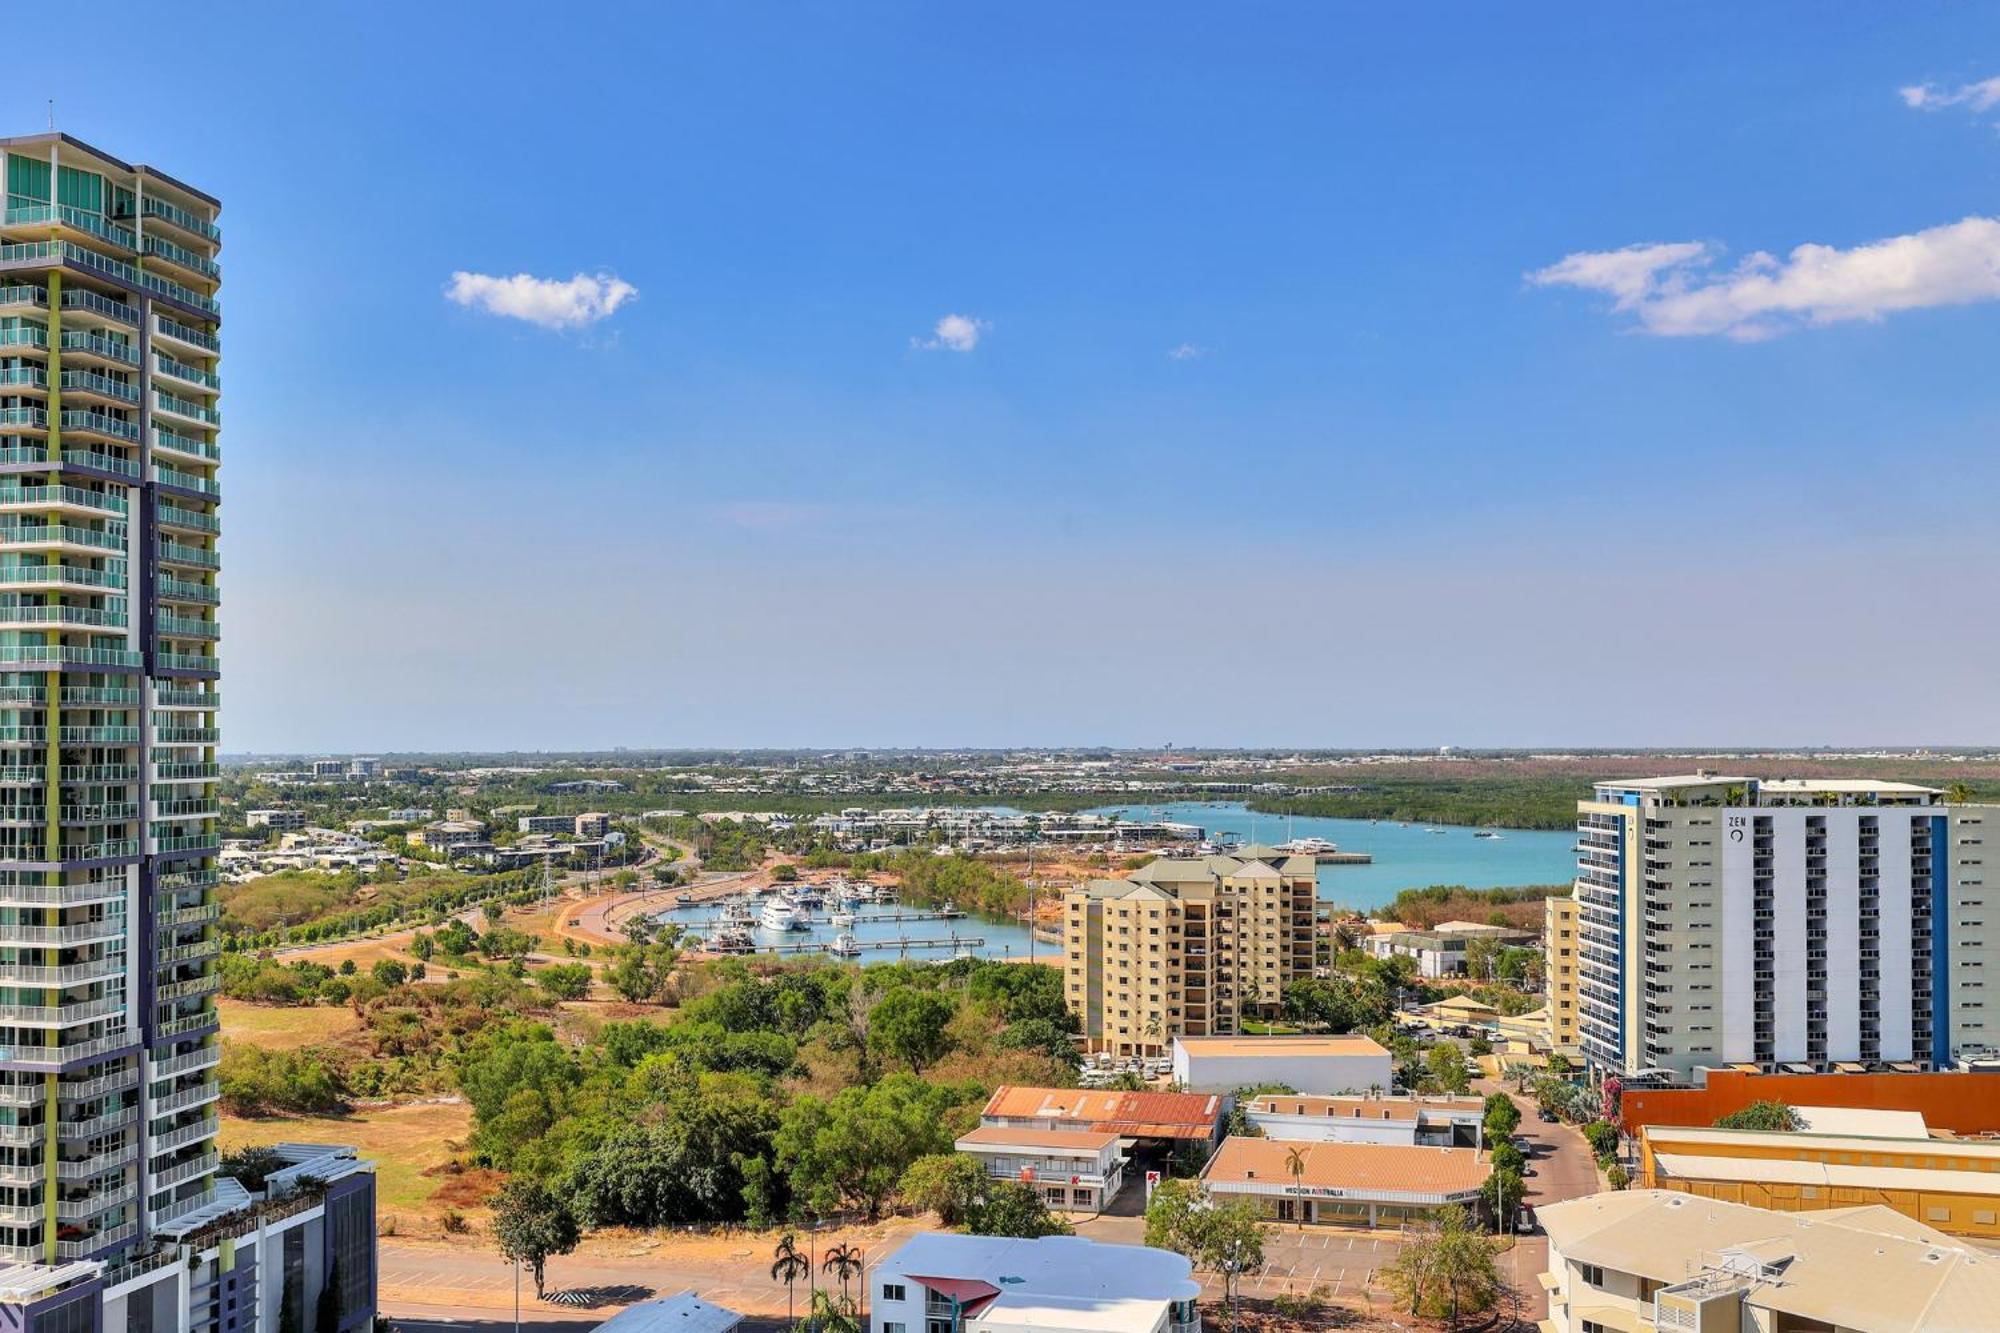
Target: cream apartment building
(1559,943)
(1187,947)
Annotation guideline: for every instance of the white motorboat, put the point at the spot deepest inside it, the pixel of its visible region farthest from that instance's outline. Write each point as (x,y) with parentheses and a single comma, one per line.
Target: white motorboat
(949,911)
(731,939)
(845,945)
(841,920)
(783,914)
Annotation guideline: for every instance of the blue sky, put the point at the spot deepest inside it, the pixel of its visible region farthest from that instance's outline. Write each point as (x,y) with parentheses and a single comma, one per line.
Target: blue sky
(1394,489)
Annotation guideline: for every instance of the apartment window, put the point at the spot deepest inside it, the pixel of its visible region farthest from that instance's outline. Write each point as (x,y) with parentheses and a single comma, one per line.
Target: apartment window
(893,1291)
(1592,1326)
(891,1326)
(1592,1274)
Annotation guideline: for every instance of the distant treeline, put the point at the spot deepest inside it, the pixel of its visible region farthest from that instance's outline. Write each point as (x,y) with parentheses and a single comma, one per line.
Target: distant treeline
(1423,908)
(1525,803)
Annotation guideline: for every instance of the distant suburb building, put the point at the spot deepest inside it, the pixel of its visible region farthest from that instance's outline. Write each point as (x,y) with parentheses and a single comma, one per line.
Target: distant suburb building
(275,819)
(1366,1183)
(1187,947)
(1560,947)
(1950,1184)
(1808,924)
(1347,1063)
(1643,1259)
(941,1282)
(1442,950)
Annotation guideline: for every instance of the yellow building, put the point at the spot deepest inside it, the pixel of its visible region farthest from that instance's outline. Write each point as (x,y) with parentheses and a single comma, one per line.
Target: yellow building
(1187,947)
(1559,917)
(1950,1184)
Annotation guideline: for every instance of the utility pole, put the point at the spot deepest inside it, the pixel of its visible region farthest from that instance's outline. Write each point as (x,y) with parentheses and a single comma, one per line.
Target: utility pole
(1031,898)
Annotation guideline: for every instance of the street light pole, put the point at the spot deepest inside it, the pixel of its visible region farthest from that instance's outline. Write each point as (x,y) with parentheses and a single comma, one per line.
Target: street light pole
(517,1296)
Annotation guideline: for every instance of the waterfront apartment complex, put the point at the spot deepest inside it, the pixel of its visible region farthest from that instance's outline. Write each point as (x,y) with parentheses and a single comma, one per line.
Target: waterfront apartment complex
(1559,940)
(1187,946)
(1814,925)
(109,347)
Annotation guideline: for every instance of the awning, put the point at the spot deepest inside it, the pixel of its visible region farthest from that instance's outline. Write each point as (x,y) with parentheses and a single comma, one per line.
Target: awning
(964,1290)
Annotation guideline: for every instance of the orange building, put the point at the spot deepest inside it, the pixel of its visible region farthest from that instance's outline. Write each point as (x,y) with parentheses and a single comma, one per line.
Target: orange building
(1965,1104)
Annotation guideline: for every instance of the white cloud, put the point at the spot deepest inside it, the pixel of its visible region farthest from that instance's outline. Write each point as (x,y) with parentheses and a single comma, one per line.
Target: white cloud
(1981,96)
(1676,290)
(953,333)
(551,303)
(1186,352)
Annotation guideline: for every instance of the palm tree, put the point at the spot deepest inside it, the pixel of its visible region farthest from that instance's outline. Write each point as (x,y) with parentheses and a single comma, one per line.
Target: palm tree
(788,1266)
(844,1262)
(1295,1162)
(1958,793)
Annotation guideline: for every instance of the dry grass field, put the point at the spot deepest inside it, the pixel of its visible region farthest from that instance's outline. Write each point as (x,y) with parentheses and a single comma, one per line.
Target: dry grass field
(413,1147)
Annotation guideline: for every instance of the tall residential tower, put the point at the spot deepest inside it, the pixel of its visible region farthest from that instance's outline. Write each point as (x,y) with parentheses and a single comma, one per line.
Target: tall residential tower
(1811,924)
(110,1189)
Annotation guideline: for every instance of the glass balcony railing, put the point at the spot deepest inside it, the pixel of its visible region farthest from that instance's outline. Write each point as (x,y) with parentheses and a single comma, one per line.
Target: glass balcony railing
(77,340)
(21,293)
(171,735)
(187,407)
(181,370)
(77,298)
(180,553)
(186,258)
(43,534)
(174,516)
(44,654)
(25,377)
(169,588)
(102,423)
(186,444)
(24,335)
(185,627)
(166,772)
(24,418)
(180,217)
(62,615)
(170,696)
(14,571)
(97,696)
(67,495)
(187,481)
(187,333)
(100,735)
(103,462)
(173,662)
(27,215)
(90,381)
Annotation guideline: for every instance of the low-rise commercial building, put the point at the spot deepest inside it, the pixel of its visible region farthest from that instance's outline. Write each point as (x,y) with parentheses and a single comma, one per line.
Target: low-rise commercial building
(1353,1184)
(1346,1063)
(445,834)
(1645,1259)
(1074,1170)
(545,824)
(592,825)
(939,1282)
(1442,1122)
(1157,1118)
(1950,1184)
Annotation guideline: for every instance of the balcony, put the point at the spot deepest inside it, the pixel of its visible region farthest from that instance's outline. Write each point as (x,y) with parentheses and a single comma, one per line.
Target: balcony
(51,1057)
(187,481)
(100,461)
(90,346)
(180,1138)
(18,574)
(100,423)
(172,626)
(91,305)
(195,226)
(172,661)
(91,1246)
(59,614)
(73,974)
(205,1058)
(168,441)
(206,381)
(21,296)
(193,986)
(45,218)
(182,260)
(185,408)
(24,418)
(94,384)
(173,516)
(199,1095)
(193,1168)
(56,497)
(187,335)
(14,532)
(32,378)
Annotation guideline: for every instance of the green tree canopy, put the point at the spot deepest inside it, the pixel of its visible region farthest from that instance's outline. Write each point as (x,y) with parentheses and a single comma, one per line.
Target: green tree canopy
(532,1222)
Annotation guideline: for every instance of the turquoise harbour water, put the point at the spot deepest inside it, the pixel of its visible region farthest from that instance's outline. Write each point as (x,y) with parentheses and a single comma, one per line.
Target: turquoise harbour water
(1406,857)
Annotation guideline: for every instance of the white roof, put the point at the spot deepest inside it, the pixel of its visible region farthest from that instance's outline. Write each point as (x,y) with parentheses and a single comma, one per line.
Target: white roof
(684,1312)
(1050,1268)
(1862,1120)
(1025,1310)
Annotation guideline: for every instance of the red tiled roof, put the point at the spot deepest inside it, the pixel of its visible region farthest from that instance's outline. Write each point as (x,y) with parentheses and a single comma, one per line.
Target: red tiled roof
(1163,1115)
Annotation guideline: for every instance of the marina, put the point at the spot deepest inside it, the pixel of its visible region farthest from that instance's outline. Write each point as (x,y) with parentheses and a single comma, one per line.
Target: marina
(843,928)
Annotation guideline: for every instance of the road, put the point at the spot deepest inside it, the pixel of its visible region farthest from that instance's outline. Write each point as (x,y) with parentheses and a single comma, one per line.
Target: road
(1563,1168)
